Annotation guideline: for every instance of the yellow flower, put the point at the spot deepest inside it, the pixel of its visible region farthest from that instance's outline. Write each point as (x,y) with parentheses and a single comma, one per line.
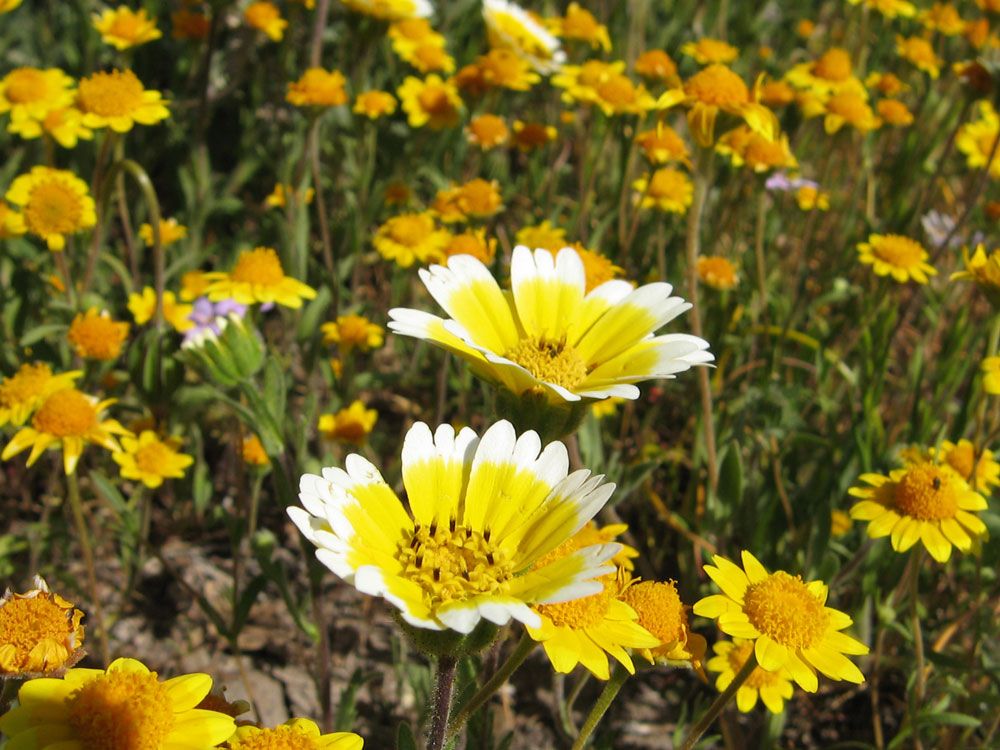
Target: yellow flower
(662,613)
(657,65)
(892,254)
(351,332)
(258,277)
(717,89)
(318,88)
(805,28)
(919,51)
(65,125)
(597,268)
(707,51)
(809,197)
(68,419)
(982,474)
(923,502)
(253,453)
(472,242)
(374,104)
(27,389)
(125,706)
(40,633)
(6,6)
(151,460)
(509,26)
(663,145)
(431,101)
(170,232)
(118,100)
(481,513)
(410,238)
(669,190)
(124,28)
(894,112)
(773,688)
(543,236)
(579,23)
(977,140)
(265,17)
(548,336)
(580,82)
(477,199)
(278,197)
(990,367)
(529,136)
(294,734)
(787,619)
(391,10)
(95,335)
(840,523)
(747,148)
(419,45)
(849,108)
(502,68)
(31,93)
(54,203)
(982,269)
(143,308)
(188,24)
(193,285)
(887,84)
(11,222)
(351,425)
(830,73)
(943,18)
(717,272)
(889,8)
(487,131)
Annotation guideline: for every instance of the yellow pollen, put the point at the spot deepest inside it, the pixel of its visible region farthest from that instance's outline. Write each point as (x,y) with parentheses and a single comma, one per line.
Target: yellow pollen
(783,608)
(737,656)
(834,65)
(898,251)
(121,711)
(928,492)
(258,266)
(66,413)
(25,385)
(659,608)
(551,361)
(114,94)
(25,85)
(717,85)
(453,562)
(279,738)
(53,208)
(585,612)
(25,623)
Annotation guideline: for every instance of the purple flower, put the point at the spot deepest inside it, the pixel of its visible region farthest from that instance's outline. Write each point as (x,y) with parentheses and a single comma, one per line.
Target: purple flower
(206,316)
(780,181)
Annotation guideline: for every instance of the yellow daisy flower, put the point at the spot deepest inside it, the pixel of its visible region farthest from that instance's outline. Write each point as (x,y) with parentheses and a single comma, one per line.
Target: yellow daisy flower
(597,268)
(193,285)
(124,28)
(976,139)
(350,332)
(543,236)
(923,502)
(27,389)
(849,108)
(279,196)
(717,272)
(990,368)
(476,199)
(669,190)
(662,613)
(257,277)
(31,93)
(54,203)
(663,145)
(840,523)
(472,242)
(294,734)
(894,112)
(391,10)
(480,513)
(889,8)
(123,706)
(67,419)
(548,336)
(252,452)
(171,231)
(509,26)
(96,335)
(142,305)
(150,459)
(118,100)
(374,104)
(580,82)
(40,633)
(64,125)
(529,136)
(747,148)
(657,65)
(920,53)
(408,34)
(809,197)
(708,51)
(318,88)
(351,425)
(6,6)
(266,18)
(887,84)
(772,688)
(892,254)
(580,24)
(487,131)
(943,18)
(981,268)
(983,474)
(787,619)
(431,101)
(830,73)
(410,238)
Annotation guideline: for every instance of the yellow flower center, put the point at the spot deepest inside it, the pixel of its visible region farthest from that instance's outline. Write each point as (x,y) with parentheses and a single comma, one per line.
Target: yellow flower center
(66,413)
(552,361)
(27,622)
(617,91)
(659,608)
(928,492)
(898,251)
(97,336)
(585,612)
(25,385)
(717,85)
(121,711)
(783,608)
(717,272)
(737,656)
(154,458)
(410,230)
(115,94)
(260,266)
(961,458)
(850,106)
(434,100)
(128,26)
(53,208)
(25,85)
(834,65)
(279,738)
(453,562)
(667,183)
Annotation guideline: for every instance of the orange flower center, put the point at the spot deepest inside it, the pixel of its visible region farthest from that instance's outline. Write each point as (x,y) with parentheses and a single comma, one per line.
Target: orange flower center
(833,65)
(783,608)
(53,208)
(128,26)
(898,251)
(850,106)
(25,385)
(154,458)
(928,492)
(25,85)
(115,94)
(260,266)
(659,608)
(29,623)
(434,99)
(552,361)
(66,413)
(585,612)
(410,230)
(121,711)
(717,85)
(617,91)
(279,738)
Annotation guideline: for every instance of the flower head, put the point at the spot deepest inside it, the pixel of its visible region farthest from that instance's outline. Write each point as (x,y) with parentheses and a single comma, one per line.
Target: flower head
(252,452)
(923,502)
(831,73)
(294,734)
(117,99)
(504,69)
(920,53)
(31,93)
(410,238)
(142,305)
(983,269)
(352,424)
(892,254)
(849,108)
(125,707)
(548,336)
(580,24)
(894,112)
(787,619)
(529,136)
(977,467)
(150,459)
(943,18)
(662,613)
(889,8)
(282,194)
(351,332)
(655,64)
(480,513)
(747,148)
(258,277)
(990,367)
(509,26)
(171,231)
(717,272)
(707,51)
(96,335)
(772,688)
(430,101)
(977,139)
(476,199)
(374,104)
(809,197)
(472,242)
(318,88)
(663,145)
(54,203)
(544,236)
(64,125)
(40,632)
(266,18)
(124,28)
(597,269)
(27,389)
(391,10)
(487,131)
(667,189)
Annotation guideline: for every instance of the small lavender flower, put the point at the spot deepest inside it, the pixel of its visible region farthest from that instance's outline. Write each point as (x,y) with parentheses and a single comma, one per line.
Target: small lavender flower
(781,182)
(209,317)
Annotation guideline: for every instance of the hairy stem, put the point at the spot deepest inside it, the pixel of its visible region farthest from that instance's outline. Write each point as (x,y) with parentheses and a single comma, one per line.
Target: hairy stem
(604,701)
(444,686)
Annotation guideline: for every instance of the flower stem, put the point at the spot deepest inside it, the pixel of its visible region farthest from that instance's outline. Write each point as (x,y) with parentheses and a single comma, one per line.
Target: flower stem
(330,259)
(604,701)
(758,248)
(720,703)
(83,534)
(919,683)
(499,678)
(444,685)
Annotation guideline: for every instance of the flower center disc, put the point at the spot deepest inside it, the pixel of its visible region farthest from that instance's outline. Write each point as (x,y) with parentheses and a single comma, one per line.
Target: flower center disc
(717,84)
(410,230)
(25,85)
(121,711)
(783,608)
(53,209)
(113,94)
(153,458)
(834,65)
(25,623)
(66,413)
(552,361)
(279,738)
(899,251)
(659,608)
(928,493)
(433,99)
(582,613)
(259,266)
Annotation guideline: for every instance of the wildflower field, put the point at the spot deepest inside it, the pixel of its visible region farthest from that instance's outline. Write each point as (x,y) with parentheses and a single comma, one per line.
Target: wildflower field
(416,375)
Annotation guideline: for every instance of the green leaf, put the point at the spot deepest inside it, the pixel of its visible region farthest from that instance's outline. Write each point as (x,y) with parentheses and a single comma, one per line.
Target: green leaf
(731,476)
(247,599)
(404,737)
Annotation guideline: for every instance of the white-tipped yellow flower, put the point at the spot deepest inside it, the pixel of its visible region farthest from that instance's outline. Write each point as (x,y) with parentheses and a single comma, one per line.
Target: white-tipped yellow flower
(480,513)
(548,335)
(509,26)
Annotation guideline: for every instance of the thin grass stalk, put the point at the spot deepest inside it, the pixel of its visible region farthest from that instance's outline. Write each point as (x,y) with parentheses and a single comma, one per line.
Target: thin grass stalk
(83,537)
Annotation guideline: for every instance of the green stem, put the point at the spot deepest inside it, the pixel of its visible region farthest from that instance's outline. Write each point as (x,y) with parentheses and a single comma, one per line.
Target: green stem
(330,258)
(137,173)
(919,683)
(444,685)
(83,536)
(758,249)
(499,678)
(719,703)
(611,688)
